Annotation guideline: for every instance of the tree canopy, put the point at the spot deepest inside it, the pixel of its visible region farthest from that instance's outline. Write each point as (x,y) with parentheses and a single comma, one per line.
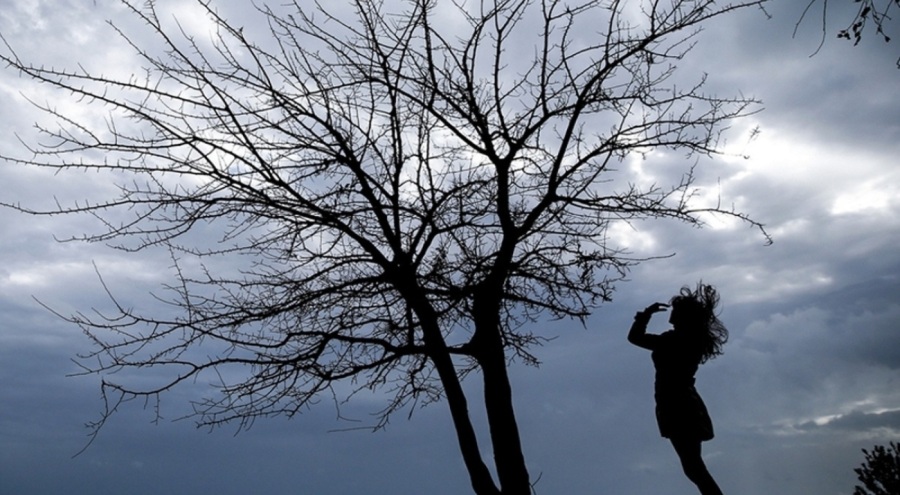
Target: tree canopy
(868,15)
(880,473)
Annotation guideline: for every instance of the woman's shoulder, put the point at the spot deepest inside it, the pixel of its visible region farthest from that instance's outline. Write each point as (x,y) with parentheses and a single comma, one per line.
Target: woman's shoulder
(666,340)
(674,339)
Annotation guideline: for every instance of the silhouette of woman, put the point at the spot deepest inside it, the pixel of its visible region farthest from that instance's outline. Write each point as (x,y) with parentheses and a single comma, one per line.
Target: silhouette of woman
(697,335)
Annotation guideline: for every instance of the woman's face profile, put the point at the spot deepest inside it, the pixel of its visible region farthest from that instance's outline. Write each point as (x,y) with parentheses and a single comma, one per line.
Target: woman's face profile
(673,315)
(681,316)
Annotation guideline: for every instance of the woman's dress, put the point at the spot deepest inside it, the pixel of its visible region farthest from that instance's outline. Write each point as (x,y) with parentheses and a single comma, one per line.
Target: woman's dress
(680,412)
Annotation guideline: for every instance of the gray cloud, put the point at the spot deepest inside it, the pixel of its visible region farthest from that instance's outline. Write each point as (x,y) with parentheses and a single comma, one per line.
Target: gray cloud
(884,424)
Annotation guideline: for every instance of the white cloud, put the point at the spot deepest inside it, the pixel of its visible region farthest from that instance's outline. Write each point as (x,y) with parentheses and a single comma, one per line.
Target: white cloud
(878,197)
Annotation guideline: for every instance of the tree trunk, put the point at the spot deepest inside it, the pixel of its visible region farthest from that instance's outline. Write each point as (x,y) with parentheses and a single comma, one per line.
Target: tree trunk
(479,475)
(508,456)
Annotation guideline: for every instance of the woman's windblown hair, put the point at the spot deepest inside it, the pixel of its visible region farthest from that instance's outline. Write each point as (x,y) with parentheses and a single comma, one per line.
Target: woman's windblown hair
(698,309)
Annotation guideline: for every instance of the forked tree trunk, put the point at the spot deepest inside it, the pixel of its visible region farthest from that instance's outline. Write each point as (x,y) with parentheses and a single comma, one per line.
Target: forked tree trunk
(508,455)
(479,474)
(509,458)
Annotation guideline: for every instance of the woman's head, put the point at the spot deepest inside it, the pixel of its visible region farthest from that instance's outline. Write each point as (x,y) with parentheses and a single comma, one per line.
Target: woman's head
(694,311)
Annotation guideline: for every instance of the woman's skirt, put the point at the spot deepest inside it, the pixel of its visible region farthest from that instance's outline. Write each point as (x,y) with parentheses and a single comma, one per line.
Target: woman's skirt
(683,415)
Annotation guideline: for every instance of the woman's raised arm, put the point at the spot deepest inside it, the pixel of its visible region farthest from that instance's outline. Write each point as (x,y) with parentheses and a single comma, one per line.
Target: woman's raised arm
(638,335)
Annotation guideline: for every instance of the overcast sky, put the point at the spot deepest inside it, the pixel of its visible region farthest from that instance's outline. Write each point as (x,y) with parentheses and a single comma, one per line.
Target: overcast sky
(810,376)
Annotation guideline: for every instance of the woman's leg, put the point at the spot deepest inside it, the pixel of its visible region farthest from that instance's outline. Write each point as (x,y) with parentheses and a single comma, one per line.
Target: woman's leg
(689,452)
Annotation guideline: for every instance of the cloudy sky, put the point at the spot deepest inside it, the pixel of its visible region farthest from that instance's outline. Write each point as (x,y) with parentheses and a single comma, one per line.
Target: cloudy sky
(810,376)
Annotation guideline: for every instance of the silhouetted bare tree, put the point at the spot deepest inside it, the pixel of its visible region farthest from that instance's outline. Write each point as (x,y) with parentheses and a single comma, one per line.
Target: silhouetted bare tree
(880,473)
(414,182)
(875,13)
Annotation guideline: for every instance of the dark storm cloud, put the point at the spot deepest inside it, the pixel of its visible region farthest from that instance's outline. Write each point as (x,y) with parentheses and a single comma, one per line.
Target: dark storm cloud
(856,325)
